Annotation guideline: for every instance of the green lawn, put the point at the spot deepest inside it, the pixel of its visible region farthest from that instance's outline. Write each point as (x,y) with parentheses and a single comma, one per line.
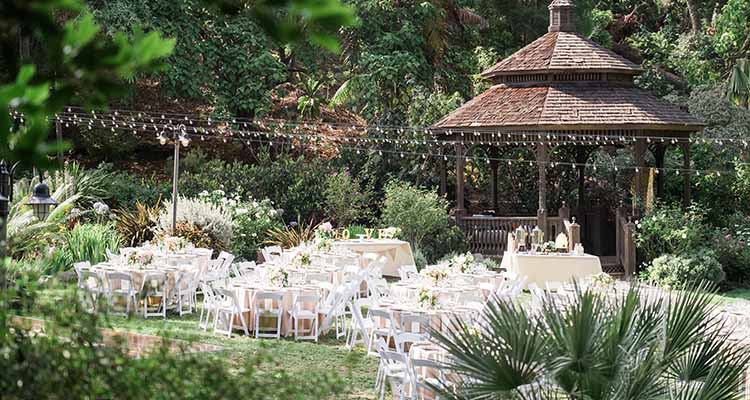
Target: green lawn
(735,295)
(298,358)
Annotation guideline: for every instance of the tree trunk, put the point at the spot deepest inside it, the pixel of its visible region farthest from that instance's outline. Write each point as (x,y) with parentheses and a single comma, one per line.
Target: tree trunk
(694,19)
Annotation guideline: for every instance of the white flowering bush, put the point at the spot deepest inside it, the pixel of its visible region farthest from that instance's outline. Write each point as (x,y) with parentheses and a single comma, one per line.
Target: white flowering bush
(671,230)
(251,220)
(212,219)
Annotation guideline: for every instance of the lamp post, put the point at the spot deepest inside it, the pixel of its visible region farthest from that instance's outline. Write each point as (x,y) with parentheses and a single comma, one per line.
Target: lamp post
(179,136)
(6,196)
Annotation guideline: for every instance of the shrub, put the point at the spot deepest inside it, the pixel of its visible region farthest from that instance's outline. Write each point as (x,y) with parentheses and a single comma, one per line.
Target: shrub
(126,189)
(85,242)
(199,237)
(423,218)
(346,200)
(732,246)
(251,220)
(670,230)
(138,225)
(675,271)
(214,220)
(291,236)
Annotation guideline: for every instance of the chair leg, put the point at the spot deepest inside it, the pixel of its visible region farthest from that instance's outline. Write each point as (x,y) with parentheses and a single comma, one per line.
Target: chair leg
(244,323)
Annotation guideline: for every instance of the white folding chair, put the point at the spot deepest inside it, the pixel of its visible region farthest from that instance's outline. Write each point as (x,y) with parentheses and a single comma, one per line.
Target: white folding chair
(425,375)
(184,292)
(378,288)
(303,311)
(384,327)
(210,303)
(271,253)
(311,277)
(79,267)
(93,286)
(415,323)
(227,308)
(267,305)
(405,340)
(408,272)
(396,371)
(363,324)
(154,290)
(120,287)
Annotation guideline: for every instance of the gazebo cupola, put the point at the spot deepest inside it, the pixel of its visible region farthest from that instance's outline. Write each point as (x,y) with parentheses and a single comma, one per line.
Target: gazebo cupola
(562,16)
(562,85)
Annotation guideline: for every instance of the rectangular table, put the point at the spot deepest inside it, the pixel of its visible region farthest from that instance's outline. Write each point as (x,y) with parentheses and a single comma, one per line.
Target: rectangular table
(540,268)
(397,252)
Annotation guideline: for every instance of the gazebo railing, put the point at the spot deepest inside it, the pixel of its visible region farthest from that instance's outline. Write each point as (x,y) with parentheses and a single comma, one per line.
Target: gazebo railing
(489,235)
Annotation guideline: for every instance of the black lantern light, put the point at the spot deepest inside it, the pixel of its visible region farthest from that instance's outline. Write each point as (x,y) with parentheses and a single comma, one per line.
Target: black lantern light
(41,202)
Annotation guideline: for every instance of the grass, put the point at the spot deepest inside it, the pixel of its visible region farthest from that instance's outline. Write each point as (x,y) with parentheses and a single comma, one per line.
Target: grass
(295,357)
(734,295)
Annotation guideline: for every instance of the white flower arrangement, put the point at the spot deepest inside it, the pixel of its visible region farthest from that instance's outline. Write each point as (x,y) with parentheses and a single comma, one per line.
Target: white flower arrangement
(436,274)
(140,258)
(277,276)
(427,299)
(174,244)
(466,264)
(602,280)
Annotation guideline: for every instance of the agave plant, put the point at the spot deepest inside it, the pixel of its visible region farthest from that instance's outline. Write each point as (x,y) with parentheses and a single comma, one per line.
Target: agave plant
(288,237)
(596,346)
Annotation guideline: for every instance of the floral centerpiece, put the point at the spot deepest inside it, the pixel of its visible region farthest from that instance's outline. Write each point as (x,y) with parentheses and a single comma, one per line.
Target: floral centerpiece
(302,259)
(323,237)
(602,280)
(140,258)
(174,244)
(427,299)
(548,247)
(277,276)
(436,274)
(466,264)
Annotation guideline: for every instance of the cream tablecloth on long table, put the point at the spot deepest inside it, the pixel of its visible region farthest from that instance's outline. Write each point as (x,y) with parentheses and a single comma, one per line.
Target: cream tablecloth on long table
(541,268)
(397,252)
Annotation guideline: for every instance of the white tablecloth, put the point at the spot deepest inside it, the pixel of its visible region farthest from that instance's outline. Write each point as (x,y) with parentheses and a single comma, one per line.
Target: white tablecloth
(541,268)
(397,252)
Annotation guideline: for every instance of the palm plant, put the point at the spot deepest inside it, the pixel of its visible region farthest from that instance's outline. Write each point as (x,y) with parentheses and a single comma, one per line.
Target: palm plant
(738,84)
(309,103)
(288,237)
(596,346)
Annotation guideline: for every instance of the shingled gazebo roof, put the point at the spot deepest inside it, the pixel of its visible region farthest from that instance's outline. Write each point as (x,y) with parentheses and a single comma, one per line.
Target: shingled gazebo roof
(565,81)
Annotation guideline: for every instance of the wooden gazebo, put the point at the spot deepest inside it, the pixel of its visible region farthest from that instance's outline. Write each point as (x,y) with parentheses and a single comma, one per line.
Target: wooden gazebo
(563,88)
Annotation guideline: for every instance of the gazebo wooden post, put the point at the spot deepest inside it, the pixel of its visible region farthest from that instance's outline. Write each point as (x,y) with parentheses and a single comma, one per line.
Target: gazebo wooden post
(639,152)
(686,195)
(659,152)
(581,158)
(494,164)
(443,172)
(542,156)
(460,159)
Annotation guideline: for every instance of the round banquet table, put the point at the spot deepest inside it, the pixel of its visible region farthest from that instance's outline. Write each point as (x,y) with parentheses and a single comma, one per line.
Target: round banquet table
(396,252)
(138,274)
(246,296)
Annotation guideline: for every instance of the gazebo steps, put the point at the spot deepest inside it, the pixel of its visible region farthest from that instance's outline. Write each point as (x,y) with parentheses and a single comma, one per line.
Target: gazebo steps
(612,266)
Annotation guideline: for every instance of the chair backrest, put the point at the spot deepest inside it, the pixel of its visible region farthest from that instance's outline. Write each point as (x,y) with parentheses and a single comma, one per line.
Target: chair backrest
(123,280)
(110,255)
(407,338)
(415,323)
(80,267)
(90,280)
(209,295)
(154,284)
(408,272)
(419,366)
(185,280)
(303,302)
(469,297)
(382,315)
(262,297)
(317,277)
(518,288)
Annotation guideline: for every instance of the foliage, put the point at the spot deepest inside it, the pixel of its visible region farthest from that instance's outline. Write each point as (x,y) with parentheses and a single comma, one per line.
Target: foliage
(309,103)
(124,190)
(732,247)
(88,242)
(198,236)
(213,220)
(292,183)
(596,346)
(84,68)
(292,236)
(423,218)
(666,229)
(347,199)
(251,220)
(138,225)
(69,361)
(674,271)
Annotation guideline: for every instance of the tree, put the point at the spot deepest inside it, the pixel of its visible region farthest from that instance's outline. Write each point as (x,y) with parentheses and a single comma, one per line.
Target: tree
(597,346)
